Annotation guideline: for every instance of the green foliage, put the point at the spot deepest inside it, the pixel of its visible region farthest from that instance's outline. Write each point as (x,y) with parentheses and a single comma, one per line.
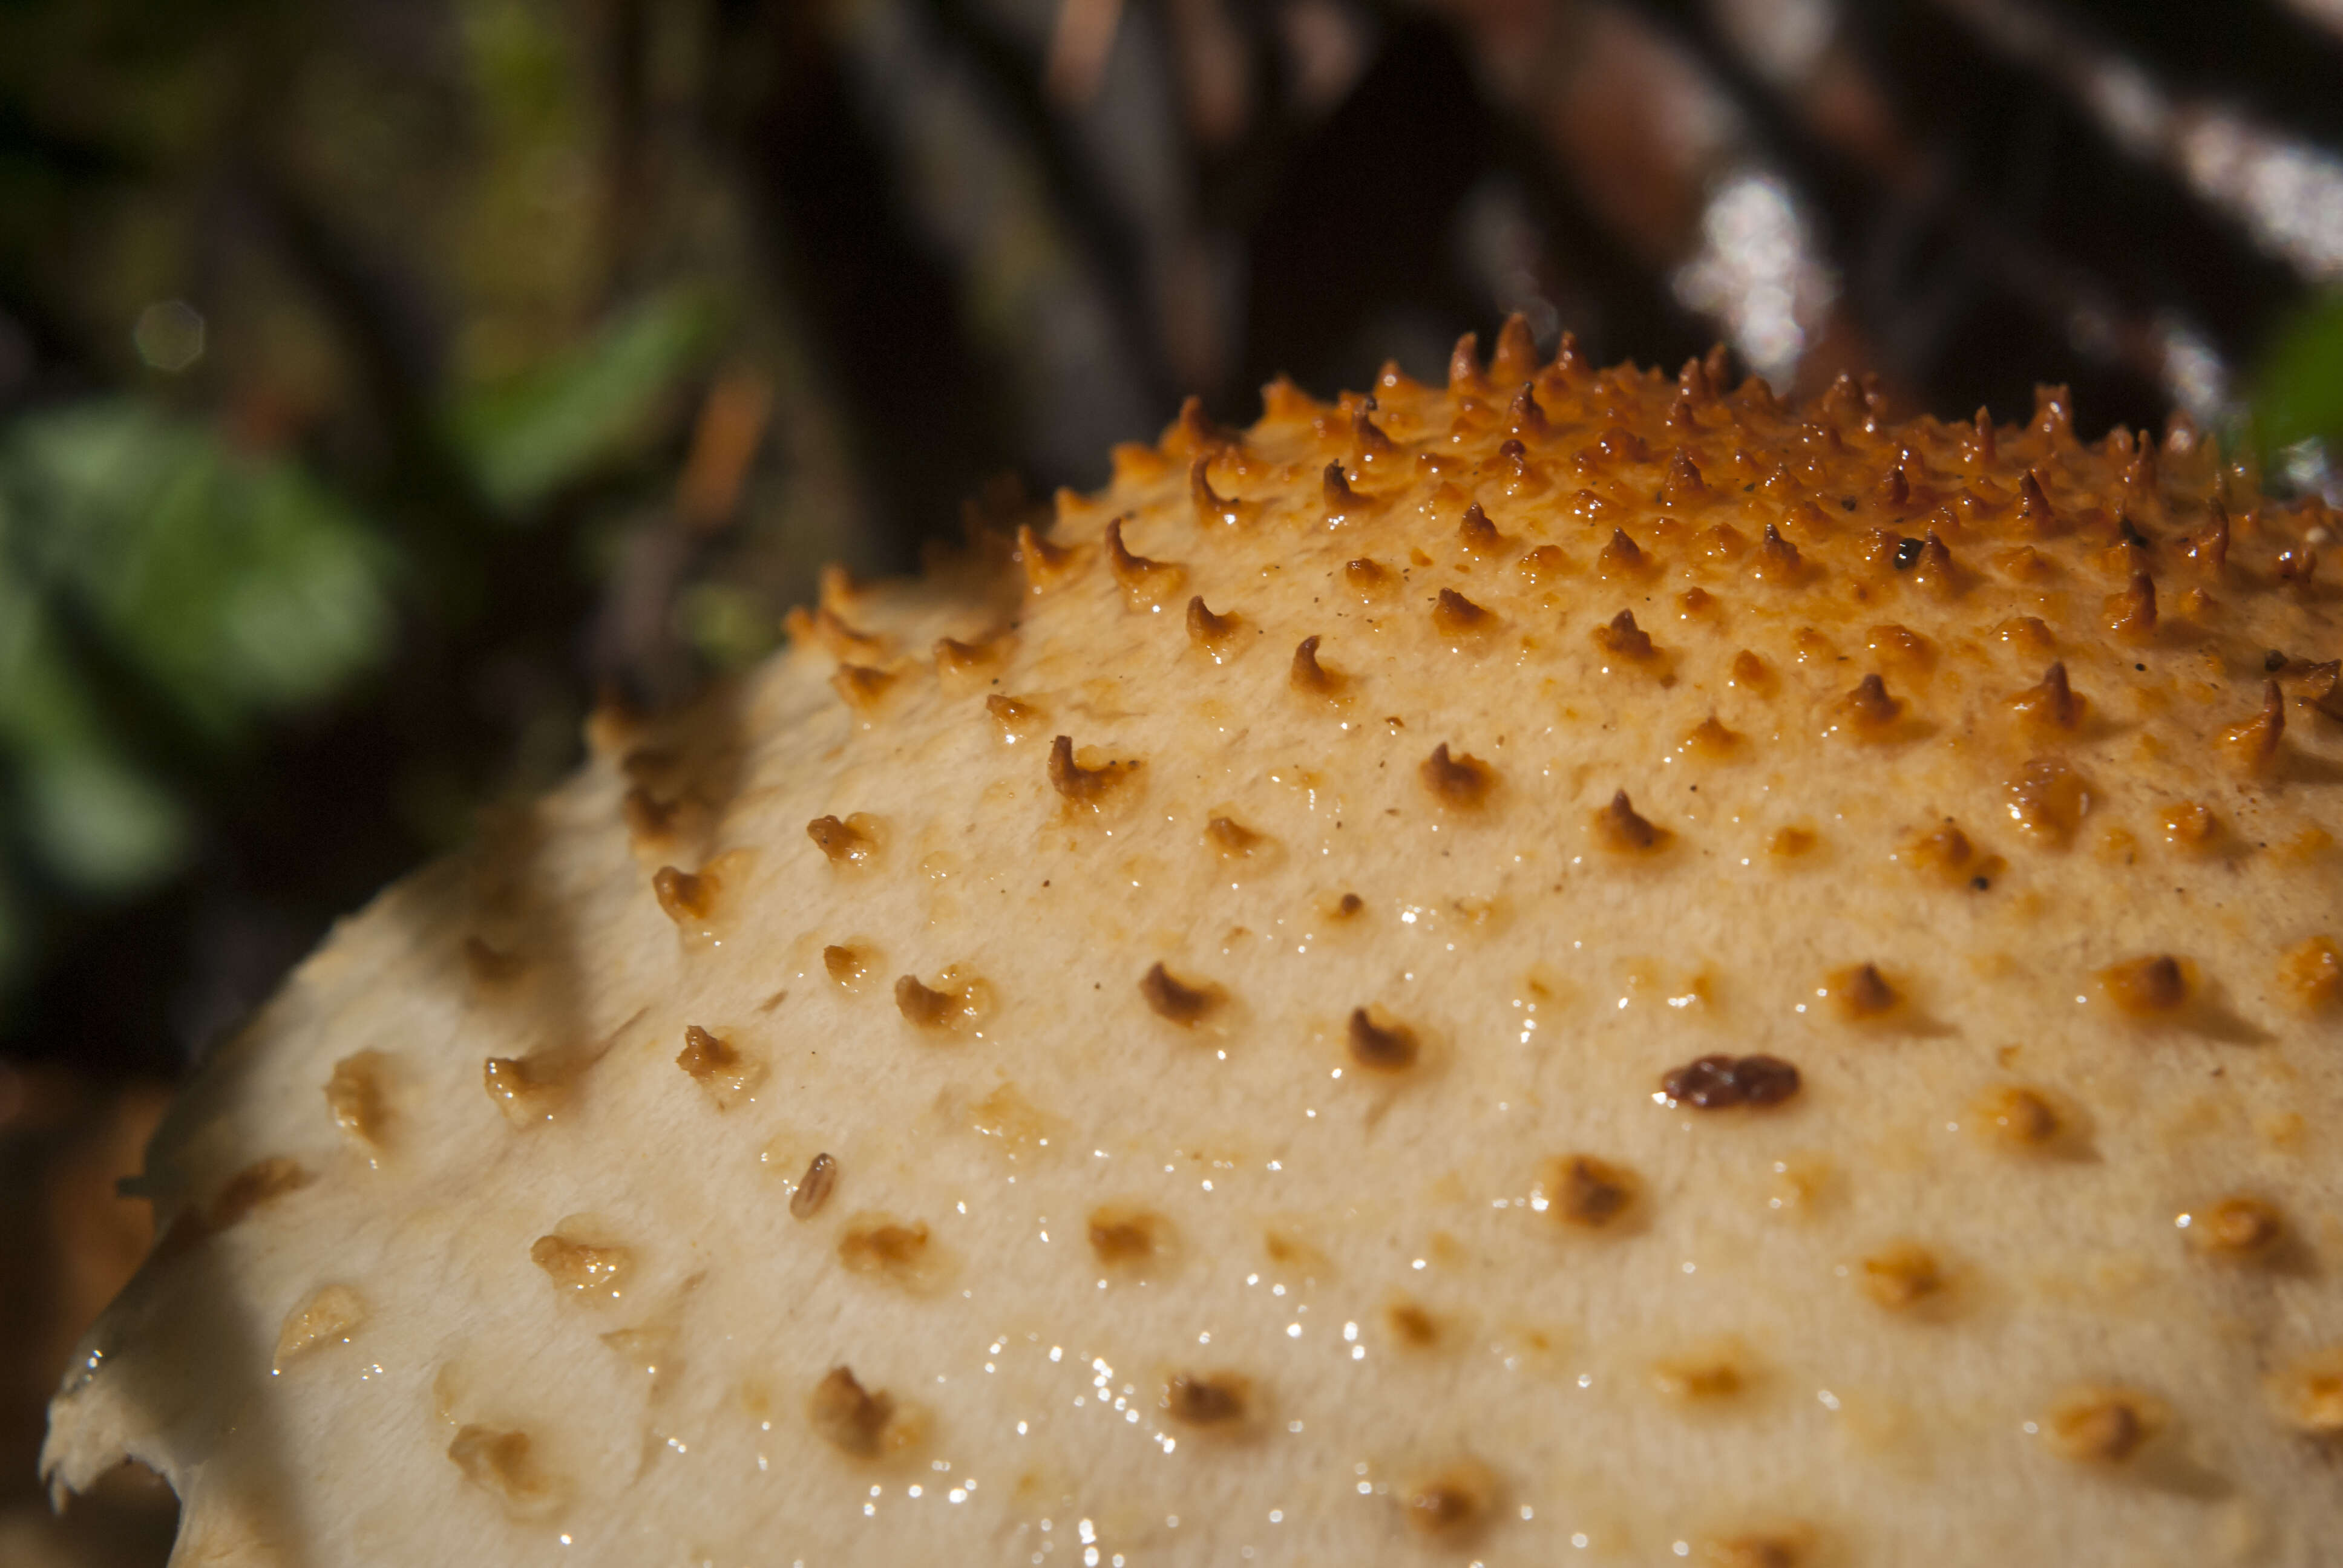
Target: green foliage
(147,570)
(559,421)
(2298,393)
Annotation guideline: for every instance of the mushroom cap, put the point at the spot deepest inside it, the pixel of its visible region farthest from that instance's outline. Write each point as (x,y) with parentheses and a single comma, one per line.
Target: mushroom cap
(1806,1087)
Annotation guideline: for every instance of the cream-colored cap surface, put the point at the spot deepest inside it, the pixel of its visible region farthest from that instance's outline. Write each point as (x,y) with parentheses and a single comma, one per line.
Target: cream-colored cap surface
(1577,967)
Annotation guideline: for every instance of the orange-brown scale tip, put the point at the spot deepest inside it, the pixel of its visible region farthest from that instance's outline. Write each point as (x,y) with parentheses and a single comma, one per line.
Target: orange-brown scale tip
(1309,676)
(1211,507)
(1173,1000)
(2053,411)
(1711,737)
(1682,484)
(849,1418)
(1231,837)
(704,1055)
(648,818)
(1864,993)
(1196,426)
(2034,507)
(1622,638)
(1567,357)
(2208,546)
(1368,436)
(1368,576)
(1144,581)
(925,1007)
(2296,564)
(1621,827)
(1208,1401)
(845,843)
(1208,631)
(1588,1193)
(2146,987)
(1340,498)
(1477,533)
(1459,781)
(1868,708)
(1046,565)
(1777,558)
(1453,615)
(861,685)
(2052,704)
(1382,1048)
(1517,359)
(684,897)
(1081,784)
(2323,688)
(1524,418)
(1680,417)
(1982,442)
(954,656)
(2100,1426)
(1465,366)
(1934,568)
(2254,744)
(1621,556)
(1692,382)
(2237,1230)
(2132,613)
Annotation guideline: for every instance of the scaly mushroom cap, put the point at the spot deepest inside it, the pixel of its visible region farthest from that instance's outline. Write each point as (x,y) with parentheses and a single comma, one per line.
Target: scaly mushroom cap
(1574,963)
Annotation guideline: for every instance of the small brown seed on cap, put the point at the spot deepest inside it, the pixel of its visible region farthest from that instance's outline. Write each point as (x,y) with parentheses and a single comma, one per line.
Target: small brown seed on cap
(814,1187)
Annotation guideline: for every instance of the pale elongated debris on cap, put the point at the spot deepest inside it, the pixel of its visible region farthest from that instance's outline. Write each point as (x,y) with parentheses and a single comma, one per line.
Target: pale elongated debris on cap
(1577,966)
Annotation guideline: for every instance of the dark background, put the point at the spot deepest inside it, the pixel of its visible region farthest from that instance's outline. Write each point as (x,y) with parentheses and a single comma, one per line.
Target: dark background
(380,379)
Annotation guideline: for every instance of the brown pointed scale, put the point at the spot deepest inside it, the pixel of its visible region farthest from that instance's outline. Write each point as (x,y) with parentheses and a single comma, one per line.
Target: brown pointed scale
(1787,1150)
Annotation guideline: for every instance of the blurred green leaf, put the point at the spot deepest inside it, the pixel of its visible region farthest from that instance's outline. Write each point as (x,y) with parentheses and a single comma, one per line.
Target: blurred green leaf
(552,425)
(86,816)
(2298,393)
(101,827)
(236,586)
